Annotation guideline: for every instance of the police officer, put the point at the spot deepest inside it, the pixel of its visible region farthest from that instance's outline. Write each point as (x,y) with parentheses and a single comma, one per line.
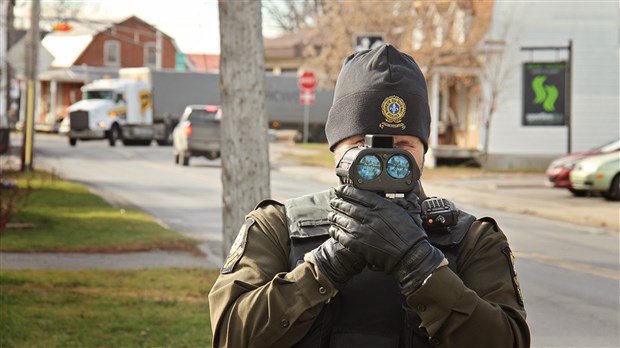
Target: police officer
(350,268)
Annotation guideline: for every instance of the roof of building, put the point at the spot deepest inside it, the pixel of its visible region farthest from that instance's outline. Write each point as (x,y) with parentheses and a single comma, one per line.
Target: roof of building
(205,62)
(289,45)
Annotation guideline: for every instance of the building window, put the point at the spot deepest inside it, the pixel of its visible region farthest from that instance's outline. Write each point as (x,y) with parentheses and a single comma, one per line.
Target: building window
(150,54)
(111,53)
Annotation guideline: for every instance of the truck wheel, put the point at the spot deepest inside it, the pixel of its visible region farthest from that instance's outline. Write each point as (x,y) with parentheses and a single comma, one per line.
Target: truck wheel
(167,139)
(317,135)
(212,155)
(176,158)
(113,134)
(72,141)
(184,158)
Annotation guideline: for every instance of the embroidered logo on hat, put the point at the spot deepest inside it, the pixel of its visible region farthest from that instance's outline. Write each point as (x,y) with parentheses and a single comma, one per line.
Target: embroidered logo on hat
(393,109)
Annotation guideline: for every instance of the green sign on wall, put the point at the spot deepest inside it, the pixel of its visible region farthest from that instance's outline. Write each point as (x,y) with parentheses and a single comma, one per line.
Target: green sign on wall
(544,94)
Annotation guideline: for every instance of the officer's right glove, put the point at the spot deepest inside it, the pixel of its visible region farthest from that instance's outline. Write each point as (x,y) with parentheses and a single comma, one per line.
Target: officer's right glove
(337,263)
(385,234)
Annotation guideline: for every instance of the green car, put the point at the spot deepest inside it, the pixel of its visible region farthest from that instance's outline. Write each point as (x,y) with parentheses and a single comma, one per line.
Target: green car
(599,173)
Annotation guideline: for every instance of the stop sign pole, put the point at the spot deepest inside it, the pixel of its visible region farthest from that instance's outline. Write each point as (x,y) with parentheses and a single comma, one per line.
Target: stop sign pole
(307,82)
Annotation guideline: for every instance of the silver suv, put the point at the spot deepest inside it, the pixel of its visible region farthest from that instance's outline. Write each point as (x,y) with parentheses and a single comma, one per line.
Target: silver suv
(197,134)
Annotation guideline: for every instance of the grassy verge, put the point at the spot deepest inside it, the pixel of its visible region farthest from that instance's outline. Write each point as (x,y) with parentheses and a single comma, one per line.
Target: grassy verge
(310,154)
(148,308)
(59,215)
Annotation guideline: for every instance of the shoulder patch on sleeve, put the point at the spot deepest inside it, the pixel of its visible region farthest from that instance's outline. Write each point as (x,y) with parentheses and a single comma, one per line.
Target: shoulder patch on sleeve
(238,247)
(513,272)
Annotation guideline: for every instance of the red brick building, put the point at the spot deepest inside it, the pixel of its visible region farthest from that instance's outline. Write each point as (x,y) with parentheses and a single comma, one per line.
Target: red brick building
(130,43)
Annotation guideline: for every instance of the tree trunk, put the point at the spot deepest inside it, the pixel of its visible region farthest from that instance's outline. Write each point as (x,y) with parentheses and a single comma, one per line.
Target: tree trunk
(245,155)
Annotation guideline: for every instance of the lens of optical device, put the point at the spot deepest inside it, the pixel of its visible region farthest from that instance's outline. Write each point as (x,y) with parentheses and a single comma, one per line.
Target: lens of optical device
(398,167)
(369,167)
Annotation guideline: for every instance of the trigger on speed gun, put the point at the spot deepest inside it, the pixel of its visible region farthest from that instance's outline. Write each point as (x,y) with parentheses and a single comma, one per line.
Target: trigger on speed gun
(378,166)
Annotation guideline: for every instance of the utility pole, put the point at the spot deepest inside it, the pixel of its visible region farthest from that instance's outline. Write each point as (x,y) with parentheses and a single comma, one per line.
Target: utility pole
(32,56)
(7,72)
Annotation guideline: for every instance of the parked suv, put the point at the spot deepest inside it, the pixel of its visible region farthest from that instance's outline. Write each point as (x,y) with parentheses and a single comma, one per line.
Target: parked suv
(197,134)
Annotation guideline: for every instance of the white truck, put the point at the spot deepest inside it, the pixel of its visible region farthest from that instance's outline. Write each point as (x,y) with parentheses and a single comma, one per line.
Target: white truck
(140,106)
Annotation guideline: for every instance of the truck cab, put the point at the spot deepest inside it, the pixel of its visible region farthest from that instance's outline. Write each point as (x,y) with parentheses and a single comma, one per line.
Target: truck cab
(110,109)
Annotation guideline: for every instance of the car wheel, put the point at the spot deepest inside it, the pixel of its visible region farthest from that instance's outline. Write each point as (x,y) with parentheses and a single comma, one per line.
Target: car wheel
(183,158)
(614,191)
(578,193)
(72,141)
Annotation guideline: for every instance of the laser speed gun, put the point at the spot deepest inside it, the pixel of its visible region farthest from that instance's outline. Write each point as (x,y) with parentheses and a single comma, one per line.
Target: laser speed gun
(379,167)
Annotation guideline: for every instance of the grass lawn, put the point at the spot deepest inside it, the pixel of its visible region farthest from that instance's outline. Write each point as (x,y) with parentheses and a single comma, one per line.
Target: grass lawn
(147,308)
(59,215)
(312,154)
(129,308)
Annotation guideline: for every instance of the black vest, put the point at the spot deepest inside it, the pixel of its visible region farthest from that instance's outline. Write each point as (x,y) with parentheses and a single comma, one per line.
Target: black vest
(376,313)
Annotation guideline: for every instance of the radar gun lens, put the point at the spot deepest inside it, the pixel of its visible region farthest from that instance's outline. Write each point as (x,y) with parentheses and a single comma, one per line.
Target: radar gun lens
(398,167)
(369,167)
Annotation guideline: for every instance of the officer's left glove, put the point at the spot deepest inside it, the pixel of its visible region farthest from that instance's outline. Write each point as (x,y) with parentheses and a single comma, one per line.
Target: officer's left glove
(385,234)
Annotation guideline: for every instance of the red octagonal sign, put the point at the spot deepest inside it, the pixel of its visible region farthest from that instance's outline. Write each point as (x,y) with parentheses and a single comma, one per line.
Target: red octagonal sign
(307,80)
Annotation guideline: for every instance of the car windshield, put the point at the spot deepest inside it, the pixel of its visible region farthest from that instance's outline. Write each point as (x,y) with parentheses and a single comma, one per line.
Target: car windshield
(202,115)
(99,94)
(609,147)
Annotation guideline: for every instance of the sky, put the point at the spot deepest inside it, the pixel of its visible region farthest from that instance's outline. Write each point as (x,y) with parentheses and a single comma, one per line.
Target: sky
(193,24)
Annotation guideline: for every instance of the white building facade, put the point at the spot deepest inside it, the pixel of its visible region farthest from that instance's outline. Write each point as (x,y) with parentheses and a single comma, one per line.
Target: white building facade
(594,29)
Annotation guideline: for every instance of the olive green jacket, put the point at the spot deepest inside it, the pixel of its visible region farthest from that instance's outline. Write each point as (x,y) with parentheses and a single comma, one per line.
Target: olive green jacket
(261,303)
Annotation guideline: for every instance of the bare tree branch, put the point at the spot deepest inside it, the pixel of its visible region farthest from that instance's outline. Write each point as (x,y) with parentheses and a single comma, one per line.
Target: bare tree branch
(294,15)
(435,33)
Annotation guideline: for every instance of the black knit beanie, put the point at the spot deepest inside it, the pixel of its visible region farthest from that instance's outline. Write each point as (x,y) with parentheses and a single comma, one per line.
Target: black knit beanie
(379,91)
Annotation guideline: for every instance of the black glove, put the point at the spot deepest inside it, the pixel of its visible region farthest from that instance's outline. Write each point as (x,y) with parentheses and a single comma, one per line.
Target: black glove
(337,263)
(385,234)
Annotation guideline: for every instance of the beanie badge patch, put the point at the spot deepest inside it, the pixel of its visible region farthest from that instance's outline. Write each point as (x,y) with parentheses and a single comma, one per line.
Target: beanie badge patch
(393,109)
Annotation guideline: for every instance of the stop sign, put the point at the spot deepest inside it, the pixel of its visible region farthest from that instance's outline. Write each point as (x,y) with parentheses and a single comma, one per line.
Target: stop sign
(307,80)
